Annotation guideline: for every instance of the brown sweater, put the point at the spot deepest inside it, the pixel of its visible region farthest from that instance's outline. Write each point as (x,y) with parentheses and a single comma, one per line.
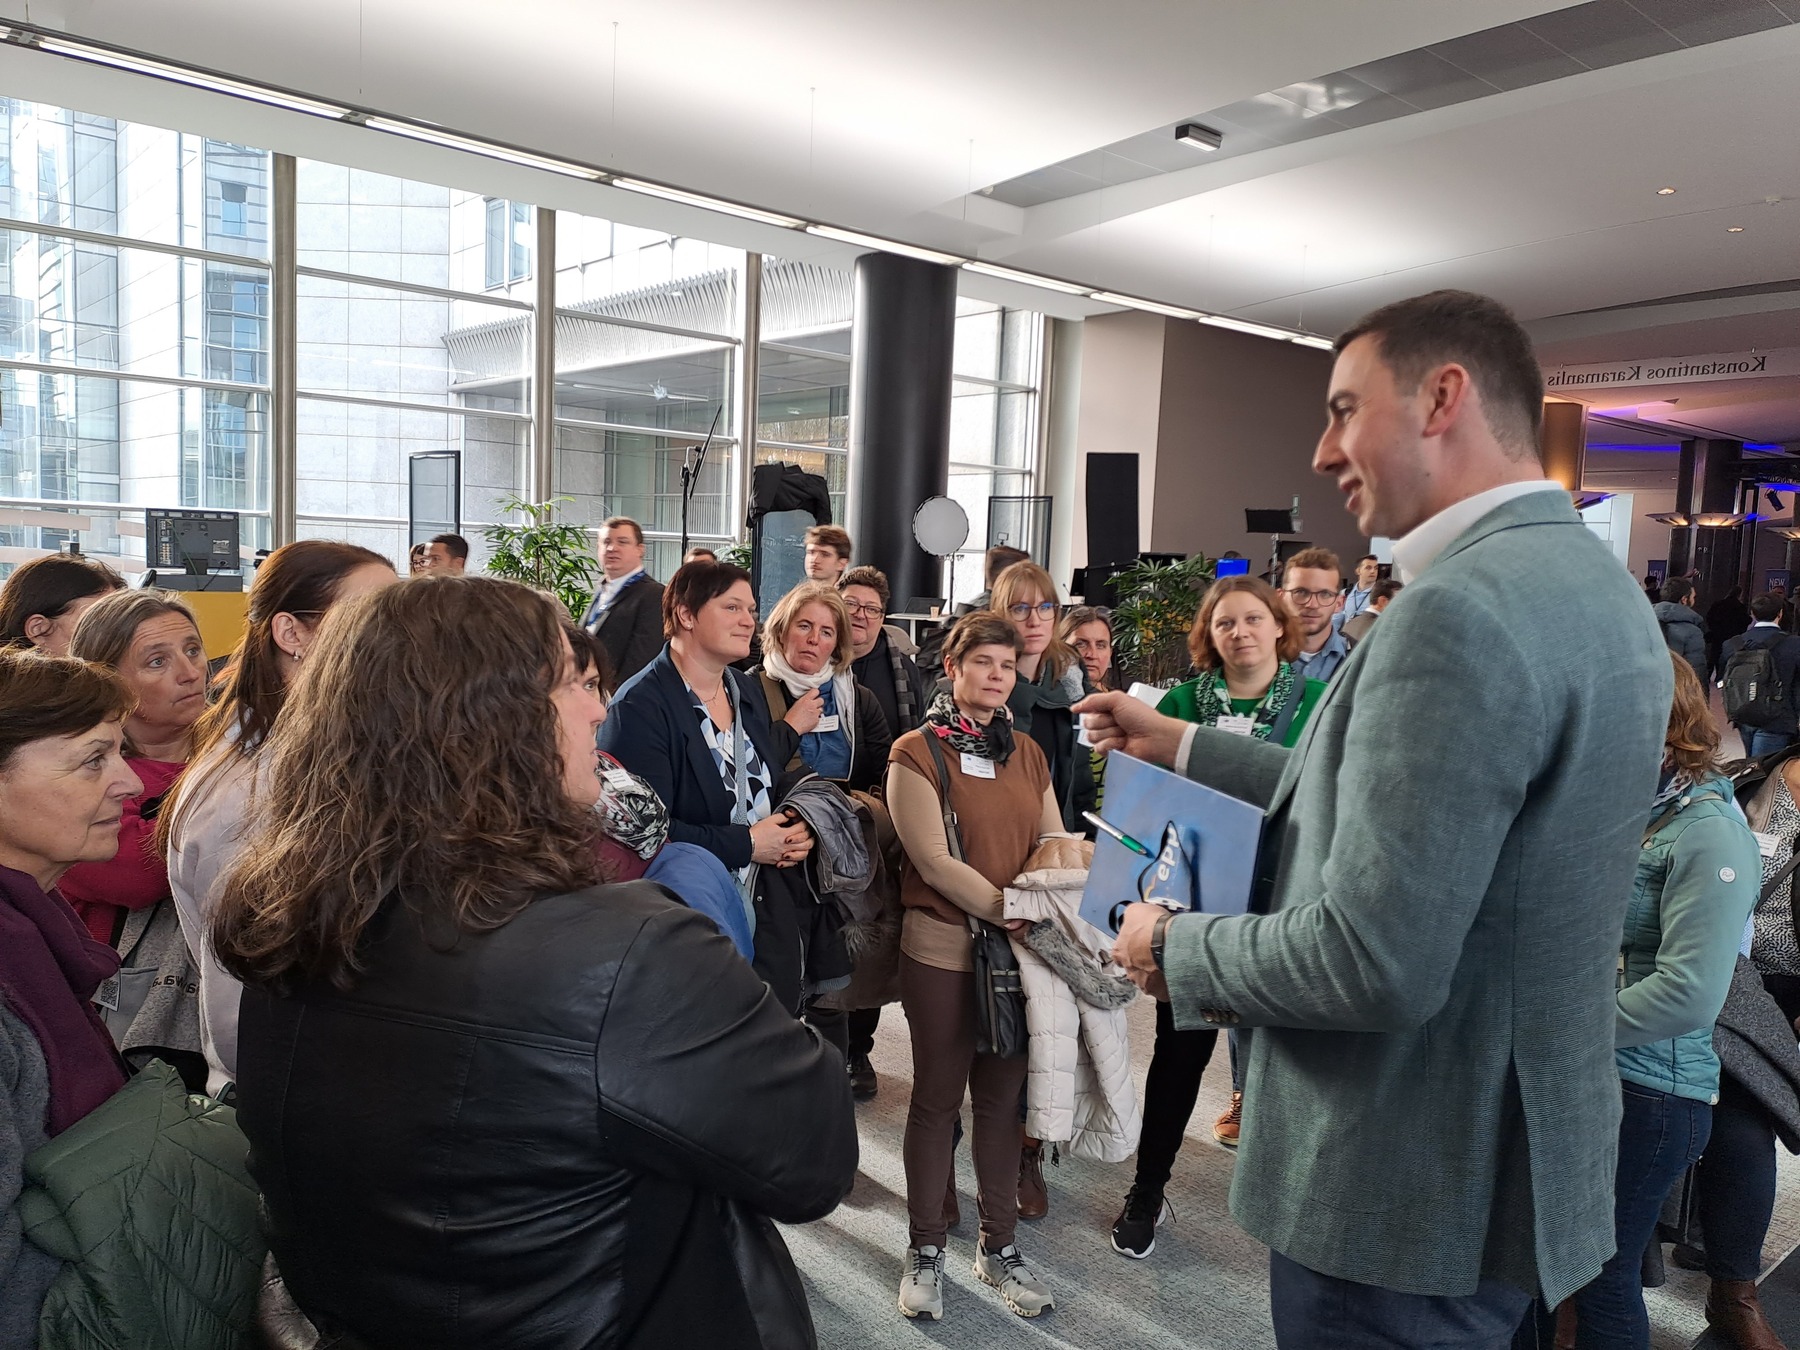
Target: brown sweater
(1002,820)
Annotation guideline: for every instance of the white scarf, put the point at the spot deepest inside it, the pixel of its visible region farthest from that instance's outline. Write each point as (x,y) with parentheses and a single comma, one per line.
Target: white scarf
(798,686)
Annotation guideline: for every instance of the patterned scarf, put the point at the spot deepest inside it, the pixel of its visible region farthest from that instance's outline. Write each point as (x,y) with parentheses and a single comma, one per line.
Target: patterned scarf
(1213,701)
(966,736)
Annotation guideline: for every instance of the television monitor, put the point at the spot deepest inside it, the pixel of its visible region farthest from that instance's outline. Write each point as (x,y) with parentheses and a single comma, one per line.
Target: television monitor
(1268,522)
(193,550)
(1232,567)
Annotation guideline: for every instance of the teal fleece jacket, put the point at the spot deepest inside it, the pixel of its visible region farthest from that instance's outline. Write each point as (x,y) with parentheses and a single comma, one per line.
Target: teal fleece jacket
(1698,875)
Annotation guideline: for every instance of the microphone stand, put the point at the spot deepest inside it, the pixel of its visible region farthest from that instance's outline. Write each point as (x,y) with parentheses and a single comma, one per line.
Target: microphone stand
(690,474)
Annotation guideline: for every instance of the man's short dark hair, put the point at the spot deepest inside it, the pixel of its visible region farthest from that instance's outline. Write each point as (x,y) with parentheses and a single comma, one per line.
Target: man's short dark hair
(1385,589)
(1475,332)
(1367,557)
(834,537)
(620,522)
(998,559)
(1676,591)
(1765,608)
(458,546)
(872,577)
(1314,560)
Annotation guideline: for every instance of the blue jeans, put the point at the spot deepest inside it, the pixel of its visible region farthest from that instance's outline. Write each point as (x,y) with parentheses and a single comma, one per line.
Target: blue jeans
(1759,743)
(1322,1312)
(1660,1137)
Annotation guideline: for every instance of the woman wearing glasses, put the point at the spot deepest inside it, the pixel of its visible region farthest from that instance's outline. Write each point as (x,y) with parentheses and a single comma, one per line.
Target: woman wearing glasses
(1243,642)
(1051,682)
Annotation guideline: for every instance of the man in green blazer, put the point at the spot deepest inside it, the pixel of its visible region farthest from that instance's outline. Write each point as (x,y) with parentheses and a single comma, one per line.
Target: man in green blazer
(1431,1116)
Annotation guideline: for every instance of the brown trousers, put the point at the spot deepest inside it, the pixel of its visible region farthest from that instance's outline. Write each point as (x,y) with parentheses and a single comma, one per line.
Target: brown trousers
(940,1010)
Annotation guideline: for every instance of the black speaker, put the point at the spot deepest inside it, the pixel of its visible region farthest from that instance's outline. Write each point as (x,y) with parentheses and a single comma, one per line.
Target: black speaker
(1112,508)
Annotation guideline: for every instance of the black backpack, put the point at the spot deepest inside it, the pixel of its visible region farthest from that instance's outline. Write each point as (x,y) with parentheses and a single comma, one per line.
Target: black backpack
(1754,693)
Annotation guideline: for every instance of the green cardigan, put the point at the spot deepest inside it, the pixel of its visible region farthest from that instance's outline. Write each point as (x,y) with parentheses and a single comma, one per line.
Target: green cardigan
(1182,702)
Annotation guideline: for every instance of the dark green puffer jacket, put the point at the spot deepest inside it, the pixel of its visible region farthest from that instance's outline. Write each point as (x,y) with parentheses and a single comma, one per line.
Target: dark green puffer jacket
(147,1200)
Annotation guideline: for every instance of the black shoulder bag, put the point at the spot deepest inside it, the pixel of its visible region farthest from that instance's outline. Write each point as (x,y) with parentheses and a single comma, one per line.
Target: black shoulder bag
(999,991)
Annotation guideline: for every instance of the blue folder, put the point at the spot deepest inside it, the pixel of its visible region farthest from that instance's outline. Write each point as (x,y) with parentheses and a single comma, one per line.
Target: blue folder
(1204,844)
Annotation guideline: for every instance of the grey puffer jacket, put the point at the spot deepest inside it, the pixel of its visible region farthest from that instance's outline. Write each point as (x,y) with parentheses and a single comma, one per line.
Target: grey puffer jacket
(1685,632)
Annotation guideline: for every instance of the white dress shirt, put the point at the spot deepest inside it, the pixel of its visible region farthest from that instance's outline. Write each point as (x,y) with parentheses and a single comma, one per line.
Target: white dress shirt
(609,589)
(1423,543)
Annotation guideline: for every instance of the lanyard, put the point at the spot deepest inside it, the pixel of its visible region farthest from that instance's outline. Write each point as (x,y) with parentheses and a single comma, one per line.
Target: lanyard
(740,756)
(1262,712)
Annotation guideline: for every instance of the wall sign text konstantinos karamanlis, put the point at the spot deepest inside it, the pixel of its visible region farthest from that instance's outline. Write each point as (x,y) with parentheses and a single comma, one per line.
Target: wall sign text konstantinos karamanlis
(1675,369)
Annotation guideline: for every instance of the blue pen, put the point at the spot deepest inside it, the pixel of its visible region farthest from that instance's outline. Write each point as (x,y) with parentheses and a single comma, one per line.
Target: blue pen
(1117,833)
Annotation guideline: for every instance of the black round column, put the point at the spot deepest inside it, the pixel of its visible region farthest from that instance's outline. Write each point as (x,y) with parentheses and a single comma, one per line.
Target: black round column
(900,364)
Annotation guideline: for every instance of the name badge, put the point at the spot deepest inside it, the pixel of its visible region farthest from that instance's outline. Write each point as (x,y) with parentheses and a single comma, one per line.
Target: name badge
(107,995)
(827,724)
(974,766)
(1766,844)
(618,779)
(1234,724)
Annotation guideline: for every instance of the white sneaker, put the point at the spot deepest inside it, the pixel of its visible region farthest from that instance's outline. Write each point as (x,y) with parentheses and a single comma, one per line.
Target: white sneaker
(1006,1270)
(922,1283)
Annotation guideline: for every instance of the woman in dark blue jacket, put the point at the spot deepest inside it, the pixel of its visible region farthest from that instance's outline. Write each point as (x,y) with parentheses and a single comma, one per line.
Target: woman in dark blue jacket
(698,731)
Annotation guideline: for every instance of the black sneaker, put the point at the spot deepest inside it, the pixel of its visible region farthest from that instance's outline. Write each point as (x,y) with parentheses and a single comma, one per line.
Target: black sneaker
(862,1078)
(1134,1231)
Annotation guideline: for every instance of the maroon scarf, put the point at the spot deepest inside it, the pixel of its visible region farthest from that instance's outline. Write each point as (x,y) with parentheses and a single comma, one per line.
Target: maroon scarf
(49,970)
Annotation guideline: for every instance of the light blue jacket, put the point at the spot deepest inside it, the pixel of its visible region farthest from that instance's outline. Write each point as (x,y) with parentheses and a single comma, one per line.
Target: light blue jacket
(1698,875)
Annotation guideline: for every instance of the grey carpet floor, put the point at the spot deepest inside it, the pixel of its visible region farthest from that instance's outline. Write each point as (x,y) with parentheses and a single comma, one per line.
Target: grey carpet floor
(1204,1288)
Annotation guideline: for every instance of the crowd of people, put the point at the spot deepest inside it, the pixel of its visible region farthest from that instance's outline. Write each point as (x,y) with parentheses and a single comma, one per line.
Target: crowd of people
(542,956)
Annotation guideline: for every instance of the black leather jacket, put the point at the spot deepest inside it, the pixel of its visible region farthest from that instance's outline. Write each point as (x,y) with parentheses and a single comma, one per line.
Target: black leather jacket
(572,1131)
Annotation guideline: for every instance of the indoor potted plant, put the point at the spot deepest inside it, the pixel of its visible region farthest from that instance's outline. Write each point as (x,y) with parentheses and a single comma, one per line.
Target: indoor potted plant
(546,553)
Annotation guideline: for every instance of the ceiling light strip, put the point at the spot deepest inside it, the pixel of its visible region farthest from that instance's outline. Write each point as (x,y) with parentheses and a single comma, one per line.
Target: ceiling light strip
(842,236)
(1148,306)
(163,70)
(208,81)
(450,140)
(705,203)
(988,269)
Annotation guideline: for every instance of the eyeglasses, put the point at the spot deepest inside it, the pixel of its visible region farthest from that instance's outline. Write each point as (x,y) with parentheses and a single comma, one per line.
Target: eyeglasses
(1044,609)
(863,611)
(1306,598)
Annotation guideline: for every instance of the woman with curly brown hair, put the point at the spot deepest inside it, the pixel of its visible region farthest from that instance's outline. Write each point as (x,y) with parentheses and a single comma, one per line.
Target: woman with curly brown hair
(490,1102)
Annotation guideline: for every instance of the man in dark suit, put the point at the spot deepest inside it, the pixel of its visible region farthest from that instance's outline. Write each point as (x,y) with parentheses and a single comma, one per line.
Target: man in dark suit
(626,614)
(1431,1124)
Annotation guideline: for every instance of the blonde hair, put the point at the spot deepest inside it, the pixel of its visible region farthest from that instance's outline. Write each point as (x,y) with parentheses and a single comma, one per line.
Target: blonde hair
(787,610)
(1015,586)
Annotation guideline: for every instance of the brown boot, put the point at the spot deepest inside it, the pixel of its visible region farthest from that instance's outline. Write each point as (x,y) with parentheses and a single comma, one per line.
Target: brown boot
(952,1209)
(1227,1127)
(1733,1312)
(1034,1199)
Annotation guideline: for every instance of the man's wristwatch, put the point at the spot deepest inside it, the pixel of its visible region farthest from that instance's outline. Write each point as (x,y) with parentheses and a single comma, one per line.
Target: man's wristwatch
(1158,933)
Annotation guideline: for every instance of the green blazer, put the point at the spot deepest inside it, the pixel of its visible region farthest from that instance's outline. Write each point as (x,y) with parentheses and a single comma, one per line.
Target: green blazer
(1448,851)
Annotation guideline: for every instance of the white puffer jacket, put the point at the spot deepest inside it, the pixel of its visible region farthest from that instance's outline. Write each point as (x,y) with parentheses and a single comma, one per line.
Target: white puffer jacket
(1078,1090)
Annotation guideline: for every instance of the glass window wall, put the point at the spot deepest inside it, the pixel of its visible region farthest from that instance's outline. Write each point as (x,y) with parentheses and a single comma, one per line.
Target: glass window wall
(134,331)
(135,353)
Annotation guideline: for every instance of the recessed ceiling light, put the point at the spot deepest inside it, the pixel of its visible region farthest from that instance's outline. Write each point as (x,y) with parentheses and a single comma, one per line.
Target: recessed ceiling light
(1734,229)
(1201,138)
(1665,192)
